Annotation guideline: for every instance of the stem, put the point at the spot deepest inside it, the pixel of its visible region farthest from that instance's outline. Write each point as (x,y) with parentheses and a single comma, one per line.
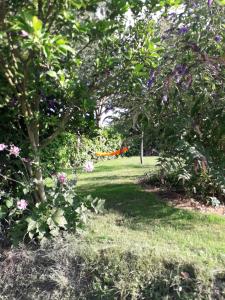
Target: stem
(11,179)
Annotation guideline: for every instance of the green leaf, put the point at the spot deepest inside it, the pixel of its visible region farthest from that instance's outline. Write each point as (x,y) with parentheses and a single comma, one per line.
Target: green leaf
(32,224)
(52,74)
(221,2)
(9,203)
(60,42)
(31,235)
(138,67)
(58,218)
(25,191)
(54,232)
(49,182)
(37,24)
(66,48)
(2,212)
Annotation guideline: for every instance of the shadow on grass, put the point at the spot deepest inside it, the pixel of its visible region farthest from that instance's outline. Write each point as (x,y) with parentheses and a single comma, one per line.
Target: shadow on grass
(106,178)
(140,207)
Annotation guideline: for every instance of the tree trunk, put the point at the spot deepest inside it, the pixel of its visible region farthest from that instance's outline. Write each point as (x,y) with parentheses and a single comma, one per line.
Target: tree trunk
(38,177)
(142,147)
(33,133)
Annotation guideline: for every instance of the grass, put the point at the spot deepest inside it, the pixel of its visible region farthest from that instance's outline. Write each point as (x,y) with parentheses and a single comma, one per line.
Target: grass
(140,248)
(136,219)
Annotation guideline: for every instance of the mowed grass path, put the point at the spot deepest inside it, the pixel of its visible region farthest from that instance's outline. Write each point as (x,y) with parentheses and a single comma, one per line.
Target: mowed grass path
(135,220)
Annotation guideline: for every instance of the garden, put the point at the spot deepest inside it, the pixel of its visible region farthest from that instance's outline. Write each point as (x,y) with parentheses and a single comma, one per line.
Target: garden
(112,140)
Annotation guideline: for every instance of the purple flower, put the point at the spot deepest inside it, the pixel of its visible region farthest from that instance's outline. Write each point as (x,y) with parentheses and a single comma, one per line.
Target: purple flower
(62,178)
(88,166)
(181,69)
(24,33)
(172,15)
(210,2)
(2,147)
(183,30)
(22,204)
(14,150)
(218,38)
(151,79)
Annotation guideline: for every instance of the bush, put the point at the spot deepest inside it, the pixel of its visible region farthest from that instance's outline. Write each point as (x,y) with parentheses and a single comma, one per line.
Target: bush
(205,184)
(22,218)
(70,150)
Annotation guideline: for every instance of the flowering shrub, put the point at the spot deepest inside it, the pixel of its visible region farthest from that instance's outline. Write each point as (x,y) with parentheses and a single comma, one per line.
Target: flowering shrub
(62,178)
(22,204)
(22,218)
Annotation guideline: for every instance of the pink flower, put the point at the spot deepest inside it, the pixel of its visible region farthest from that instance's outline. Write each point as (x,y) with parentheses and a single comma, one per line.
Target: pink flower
(22,204)
(2,147)
(89,167)
(14,150)
(62,178)
(24,33)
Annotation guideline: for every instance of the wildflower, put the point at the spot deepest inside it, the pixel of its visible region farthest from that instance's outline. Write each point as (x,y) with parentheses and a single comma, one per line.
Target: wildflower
(89,167)
(22,204)
(210,2)
(14,150)
(2,147)
(218,38)
(62,178)
(183,30)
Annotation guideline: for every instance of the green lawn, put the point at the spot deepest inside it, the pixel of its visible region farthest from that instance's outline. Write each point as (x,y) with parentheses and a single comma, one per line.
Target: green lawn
(140,248)
(136,220)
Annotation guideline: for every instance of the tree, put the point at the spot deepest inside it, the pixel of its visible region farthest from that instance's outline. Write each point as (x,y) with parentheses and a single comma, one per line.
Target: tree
(41,55)
(187,94)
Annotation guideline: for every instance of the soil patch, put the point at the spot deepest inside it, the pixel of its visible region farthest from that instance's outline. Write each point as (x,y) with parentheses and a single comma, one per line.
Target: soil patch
(181,201)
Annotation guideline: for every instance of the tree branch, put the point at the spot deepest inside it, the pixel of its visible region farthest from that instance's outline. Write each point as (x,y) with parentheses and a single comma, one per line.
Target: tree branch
(40,9)
(60,128)
(2,12)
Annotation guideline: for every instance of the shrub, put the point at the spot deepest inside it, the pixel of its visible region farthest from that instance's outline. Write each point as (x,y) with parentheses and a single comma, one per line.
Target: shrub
(204,183)
(70,150)
(23,218)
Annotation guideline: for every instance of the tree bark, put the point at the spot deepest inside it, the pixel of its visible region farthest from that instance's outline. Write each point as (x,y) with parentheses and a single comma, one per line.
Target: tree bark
(33,134)
(142,147)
